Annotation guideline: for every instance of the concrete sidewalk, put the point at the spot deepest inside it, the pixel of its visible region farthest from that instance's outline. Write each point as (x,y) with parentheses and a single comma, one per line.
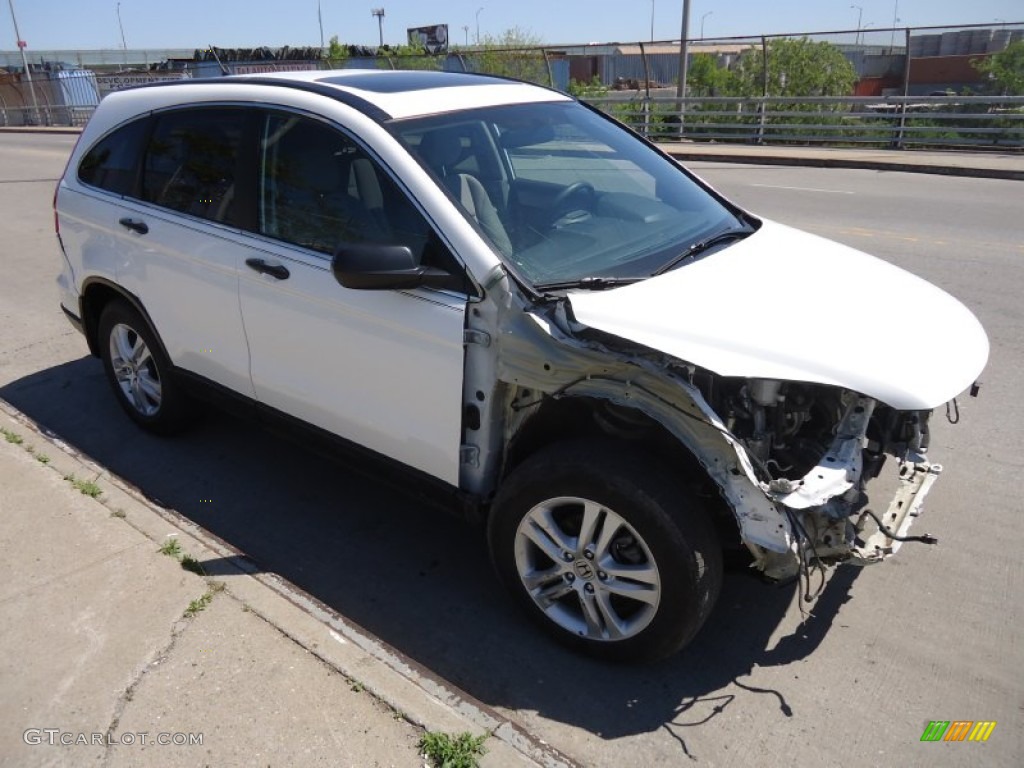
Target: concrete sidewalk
(112,647)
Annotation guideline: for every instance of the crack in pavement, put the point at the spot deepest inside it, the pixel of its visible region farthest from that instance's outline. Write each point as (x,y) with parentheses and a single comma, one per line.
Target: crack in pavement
(178,628)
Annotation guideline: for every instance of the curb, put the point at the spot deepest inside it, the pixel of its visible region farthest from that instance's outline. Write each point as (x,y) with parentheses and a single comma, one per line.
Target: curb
(421,697)
(44,129)
(849,162)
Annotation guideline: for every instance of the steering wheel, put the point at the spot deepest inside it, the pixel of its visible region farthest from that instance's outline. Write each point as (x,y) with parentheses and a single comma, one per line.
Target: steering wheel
(583,189)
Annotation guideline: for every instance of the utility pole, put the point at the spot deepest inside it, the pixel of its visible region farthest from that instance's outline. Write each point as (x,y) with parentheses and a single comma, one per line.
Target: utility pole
(379,13)
(860,17)
(24,60)
(478,24)
(320,18)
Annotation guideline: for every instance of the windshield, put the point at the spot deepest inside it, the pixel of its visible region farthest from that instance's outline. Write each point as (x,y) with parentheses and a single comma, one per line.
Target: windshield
(565,195)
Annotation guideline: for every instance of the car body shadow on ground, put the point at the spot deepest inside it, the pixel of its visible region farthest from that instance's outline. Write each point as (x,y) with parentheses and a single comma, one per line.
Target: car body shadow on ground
(418,579)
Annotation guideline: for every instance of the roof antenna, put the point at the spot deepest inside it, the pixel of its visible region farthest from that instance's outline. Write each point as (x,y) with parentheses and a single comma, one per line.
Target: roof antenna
(223,70)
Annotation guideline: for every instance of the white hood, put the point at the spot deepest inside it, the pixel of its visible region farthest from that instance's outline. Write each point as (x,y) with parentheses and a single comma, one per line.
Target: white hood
(784,304)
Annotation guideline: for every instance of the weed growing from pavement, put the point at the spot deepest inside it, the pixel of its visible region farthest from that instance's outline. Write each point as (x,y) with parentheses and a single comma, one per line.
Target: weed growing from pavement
(85,487)
(11,437)
(189,563)
(357,687)
(88,488)
(119,513)
(443,750)
(199,604)
(171,547)
(42,458)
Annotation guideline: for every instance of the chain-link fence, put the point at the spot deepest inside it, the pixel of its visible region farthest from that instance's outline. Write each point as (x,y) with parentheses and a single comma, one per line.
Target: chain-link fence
(63,97)
(890,87)
(896,87)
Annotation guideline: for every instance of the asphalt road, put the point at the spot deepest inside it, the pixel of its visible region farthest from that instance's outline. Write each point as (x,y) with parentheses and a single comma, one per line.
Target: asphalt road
(935,634)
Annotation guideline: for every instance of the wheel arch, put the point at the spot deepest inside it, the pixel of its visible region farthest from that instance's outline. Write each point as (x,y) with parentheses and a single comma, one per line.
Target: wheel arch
(558,419)
(97,293)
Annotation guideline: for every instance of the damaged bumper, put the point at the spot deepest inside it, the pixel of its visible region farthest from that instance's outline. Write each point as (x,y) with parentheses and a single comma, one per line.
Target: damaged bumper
(916,479)
(825,509)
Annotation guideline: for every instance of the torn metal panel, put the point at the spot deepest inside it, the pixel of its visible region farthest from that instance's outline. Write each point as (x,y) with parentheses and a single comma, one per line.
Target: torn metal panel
(839,469)
(537,351)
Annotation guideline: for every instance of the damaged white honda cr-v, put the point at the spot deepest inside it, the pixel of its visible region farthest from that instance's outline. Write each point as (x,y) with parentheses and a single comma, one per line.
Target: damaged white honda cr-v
(525,305)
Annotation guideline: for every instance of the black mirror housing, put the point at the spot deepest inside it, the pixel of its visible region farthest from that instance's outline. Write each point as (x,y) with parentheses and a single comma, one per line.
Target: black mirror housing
(375,267)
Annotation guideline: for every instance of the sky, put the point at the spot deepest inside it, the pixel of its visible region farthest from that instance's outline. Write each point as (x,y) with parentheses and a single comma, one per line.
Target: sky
(91,24)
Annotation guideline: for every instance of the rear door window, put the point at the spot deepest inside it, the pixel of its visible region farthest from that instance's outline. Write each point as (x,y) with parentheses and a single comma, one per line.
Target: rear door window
(191,162)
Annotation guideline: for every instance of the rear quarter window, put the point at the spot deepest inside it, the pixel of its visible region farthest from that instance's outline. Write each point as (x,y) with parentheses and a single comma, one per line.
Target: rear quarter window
(113,163)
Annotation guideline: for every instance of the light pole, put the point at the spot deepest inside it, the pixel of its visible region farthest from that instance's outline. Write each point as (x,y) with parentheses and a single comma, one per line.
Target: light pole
(860,16)
(24,60)
(652,21)
(379,13)
(465,28)
(895,21)
(702,23)
(124,45)
(478,24)
(683,54)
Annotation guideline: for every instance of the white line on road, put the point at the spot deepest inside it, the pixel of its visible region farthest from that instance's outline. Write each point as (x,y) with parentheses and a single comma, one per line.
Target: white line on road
(806,189)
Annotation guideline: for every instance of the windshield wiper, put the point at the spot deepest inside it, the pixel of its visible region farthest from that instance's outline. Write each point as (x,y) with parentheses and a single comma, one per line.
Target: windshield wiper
(703,245)
(590,283)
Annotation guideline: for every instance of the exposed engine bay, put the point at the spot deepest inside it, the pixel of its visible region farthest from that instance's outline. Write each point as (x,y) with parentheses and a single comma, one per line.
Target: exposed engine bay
(815,447)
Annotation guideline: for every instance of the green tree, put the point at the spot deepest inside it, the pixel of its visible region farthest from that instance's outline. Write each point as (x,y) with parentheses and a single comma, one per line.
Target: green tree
(514,53)
(336,53)
(409,57)
(705,78)
(1005,70)
(584,90)
(797,67)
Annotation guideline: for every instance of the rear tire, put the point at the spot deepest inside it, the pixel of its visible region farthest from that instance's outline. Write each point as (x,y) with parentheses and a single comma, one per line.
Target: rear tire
(606,550)
(139,371)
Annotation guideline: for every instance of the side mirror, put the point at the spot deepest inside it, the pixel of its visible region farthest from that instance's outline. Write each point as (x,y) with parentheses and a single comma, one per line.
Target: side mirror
(374,267)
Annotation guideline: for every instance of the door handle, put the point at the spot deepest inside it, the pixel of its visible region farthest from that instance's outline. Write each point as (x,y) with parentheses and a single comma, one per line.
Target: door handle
(135,225)
(274,270)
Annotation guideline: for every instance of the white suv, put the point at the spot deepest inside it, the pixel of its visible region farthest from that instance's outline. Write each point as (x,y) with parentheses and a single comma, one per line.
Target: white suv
(525,305)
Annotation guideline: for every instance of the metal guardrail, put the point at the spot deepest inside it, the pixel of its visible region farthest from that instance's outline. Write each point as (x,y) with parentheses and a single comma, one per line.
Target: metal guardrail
(48,115)
(893,121)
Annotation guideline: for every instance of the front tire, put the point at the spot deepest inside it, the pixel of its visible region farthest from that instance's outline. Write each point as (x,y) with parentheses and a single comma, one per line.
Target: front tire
(606,550)
(139,371)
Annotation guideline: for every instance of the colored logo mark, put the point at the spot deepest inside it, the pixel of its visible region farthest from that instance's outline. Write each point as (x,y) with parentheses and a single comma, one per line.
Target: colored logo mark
(958,730)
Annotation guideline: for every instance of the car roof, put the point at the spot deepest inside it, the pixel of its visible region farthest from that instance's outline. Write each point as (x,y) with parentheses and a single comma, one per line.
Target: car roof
(396,94)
